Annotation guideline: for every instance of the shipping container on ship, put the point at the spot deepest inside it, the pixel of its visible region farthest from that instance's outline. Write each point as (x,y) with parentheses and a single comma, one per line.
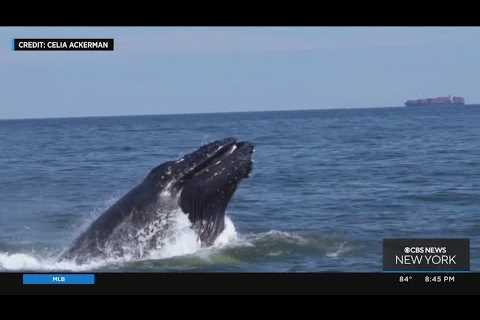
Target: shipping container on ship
(435,102)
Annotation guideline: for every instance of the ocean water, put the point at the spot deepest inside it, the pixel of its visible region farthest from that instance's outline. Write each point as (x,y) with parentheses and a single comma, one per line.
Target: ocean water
(326,188)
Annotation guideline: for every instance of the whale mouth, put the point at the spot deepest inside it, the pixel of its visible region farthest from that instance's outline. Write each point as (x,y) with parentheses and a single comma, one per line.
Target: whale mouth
(227,150)
(210,184)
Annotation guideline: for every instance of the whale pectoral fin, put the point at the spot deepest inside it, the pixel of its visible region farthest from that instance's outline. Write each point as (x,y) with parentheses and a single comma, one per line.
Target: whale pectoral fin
(206,210)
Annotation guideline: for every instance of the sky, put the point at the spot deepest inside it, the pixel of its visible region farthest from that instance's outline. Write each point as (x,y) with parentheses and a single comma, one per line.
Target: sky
(165,70)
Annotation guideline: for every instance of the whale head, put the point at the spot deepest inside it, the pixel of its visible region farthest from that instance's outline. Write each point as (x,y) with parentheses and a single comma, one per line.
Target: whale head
(204,181)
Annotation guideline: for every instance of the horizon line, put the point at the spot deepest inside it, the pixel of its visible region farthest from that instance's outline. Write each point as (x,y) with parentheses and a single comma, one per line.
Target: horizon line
(191,113)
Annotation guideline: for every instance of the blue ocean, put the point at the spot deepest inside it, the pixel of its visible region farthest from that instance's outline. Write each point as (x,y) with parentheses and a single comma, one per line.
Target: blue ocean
(326,188)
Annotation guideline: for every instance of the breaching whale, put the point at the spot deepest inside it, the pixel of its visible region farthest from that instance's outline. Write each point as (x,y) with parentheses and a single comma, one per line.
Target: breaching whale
(200,184)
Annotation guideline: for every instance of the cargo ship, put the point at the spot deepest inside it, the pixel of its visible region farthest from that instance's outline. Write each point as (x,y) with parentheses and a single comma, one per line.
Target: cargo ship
(436,102)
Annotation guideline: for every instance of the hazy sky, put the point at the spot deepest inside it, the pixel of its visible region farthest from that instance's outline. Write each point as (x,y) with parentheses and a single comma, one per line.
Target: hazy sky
(183,70)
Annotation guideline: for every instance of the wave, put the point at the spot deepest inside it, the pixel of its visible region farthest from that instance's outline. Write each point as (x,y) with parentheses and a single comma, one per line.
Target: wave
(183,241)
(182,250)
(281,243)
(454,197)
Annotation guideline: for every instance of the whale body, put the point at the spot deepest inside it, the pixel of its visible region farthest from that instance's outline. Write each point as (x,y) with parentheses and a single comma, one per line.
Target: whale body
(198,185)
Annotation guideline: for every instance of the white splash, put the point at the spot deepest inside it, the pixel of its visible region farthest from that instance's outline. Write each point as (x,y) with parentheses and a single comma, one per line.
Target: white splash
(23,261)
(182,241)
(282,236)
(342,248)
(228,236)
